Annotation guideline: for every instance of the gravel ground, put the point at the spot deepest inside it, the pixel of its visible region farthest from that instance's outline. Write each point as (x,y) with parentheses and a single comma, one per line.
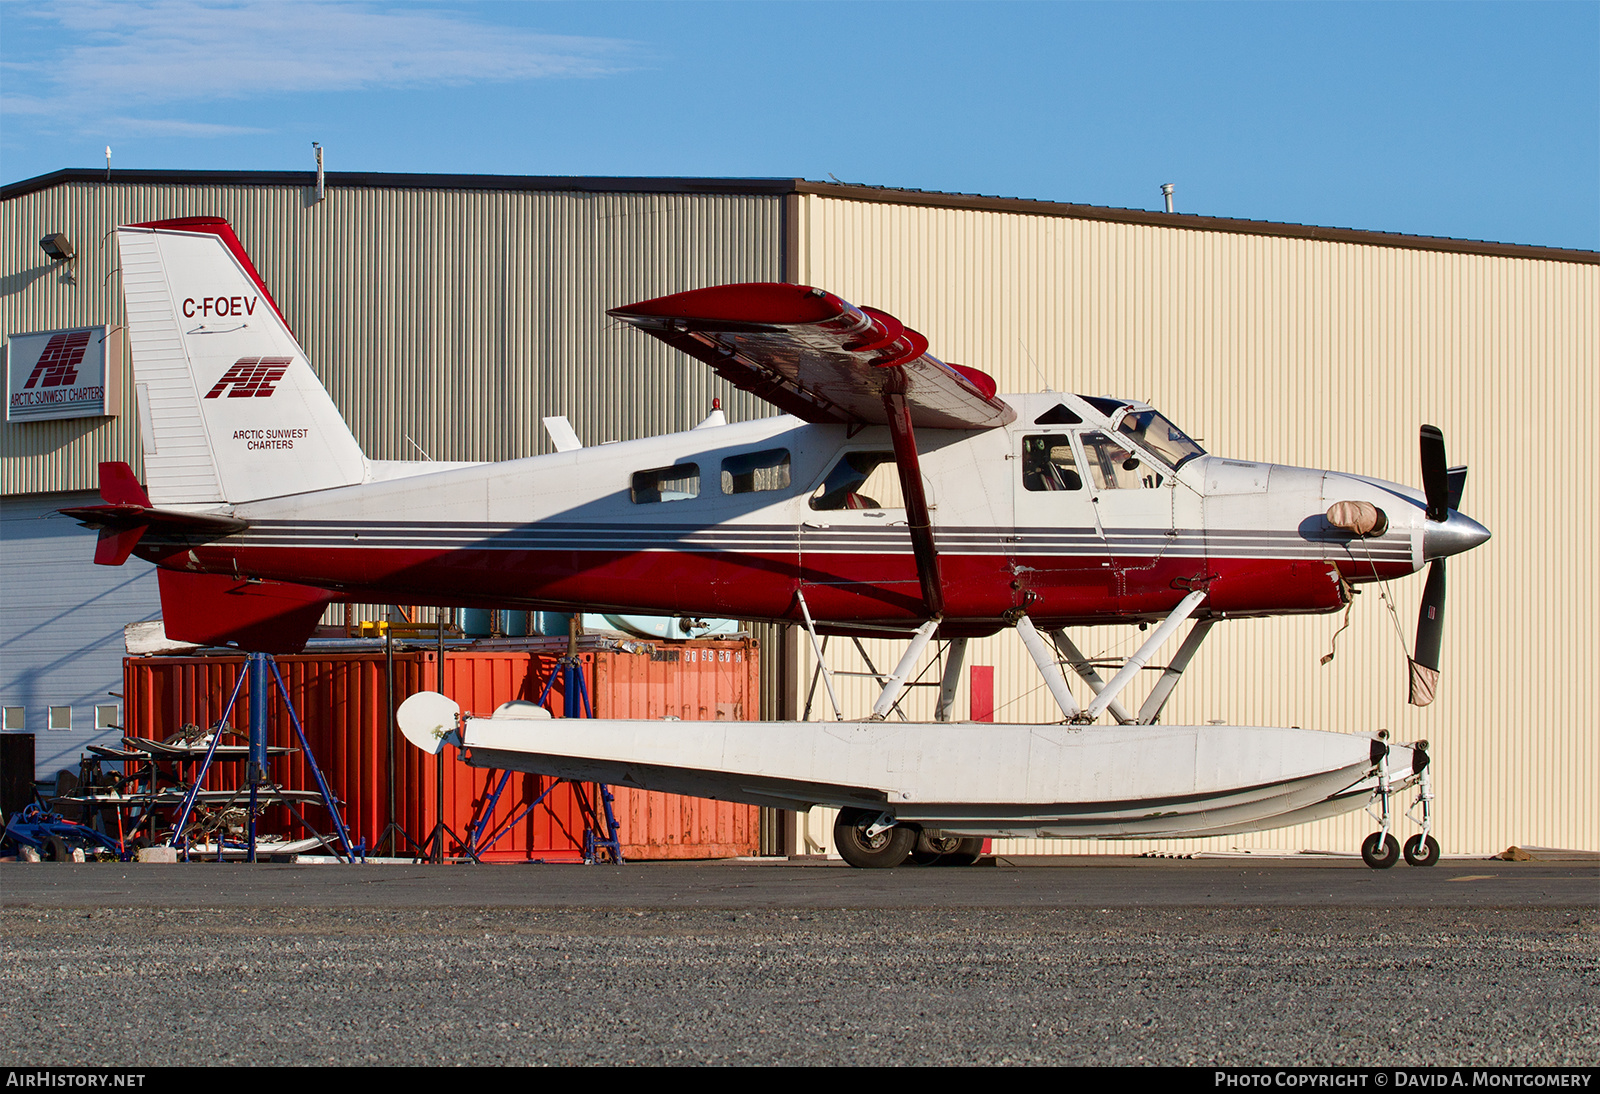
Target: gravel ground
(126,987)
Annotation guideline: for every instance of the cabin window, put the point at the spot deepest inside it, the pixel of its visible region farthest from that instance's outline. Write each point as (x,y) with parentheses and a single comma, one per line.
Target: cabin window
(1114,467)
(755,472)
(1060,414)
(60,718)
(680,482)
(1048,463)
(16,719)
(1155,434)
(861,480)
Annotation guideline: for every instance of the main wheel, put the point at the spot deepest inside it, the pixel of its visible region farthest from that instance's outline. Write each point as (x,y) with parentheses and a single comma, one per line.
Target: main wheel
(1420,852)
(890,847)
(933,848)
(1379,851)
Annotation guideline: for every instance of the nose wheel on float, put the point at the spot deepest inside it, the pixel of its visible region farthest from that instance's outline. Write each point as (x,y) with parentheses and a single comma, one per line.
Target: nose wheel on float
(1381,850)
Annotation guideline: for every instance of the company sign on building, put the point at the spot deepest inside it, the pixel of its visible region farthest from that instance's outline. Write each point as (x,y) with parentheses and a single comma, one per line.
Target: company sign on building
(62,374)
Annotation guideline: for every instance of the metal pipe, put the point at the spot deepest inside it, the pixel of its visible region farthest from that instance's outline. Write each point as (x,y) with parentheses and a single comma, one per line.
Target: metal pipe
(1186,607)
(256,767)
(388,678)
(438,760)
(827,677)
(1046,660)
(902,671)
(955,661)
(1086,673)
(1159,694)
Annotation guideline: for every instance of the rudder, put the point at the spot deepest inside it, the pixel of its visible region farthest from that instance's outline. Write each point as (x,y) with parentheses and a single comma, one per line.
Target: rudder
(229,407)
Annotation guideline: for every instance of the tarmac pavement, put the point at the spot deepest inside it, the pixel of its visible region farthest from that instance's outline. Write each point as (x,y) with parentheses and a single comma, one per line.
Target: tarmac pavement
(1082,961)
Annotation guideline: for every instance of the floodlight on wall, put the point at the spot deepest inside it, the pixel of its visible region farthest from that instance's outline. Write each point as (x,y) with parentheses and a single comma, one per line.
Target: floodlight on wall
(57,247)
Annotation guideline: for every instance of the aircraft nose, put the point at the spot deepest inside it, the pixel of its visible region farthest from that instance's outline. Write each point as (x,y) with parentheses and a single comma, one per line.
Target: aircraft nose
(1451,536)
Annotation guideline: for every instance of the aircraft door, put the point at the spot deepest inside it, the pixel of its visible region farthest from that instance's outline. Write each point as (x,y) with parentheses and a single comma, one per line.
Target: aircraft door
(1143,511)
(855,543)
(1059,558)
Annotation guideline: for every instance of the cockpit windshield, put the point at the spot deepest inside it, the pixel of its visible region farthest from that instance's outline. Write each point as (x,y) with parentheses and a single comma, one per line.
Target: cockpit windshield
(1159,437)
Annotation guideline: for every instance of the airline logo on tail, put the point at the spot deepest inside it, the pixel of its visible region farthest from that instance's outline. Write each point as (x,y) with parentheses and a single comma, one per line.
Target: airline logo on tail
(251,377)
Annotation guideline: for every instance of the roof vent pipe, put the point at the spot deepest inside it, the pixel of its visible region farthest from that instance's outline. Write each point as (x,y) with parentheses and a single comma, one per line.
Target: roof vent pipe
(322,190)
(1166,187)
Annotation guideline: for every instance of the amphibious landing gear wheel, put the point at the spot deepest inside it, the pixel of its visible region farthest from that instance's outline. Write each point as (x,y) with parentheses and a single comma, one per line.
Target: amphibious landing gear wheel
(1380,851)
(890,847)
(934,848)
(1420,852)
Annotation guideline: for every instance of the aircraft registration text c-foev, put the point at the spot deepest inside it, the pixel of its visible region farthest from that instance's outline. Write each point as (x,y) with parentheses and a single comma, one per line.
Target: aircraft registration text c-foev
(224,307)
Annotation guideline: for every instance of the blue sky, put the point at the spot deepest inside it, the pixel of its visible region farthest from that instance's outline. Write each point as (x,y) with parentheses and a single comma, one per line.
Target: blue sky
(1471,120)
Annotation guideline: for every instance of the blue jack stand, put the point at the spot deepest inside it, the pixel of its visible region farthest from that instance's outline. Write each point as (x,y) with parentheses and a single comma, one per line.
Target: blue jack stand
(257,668)
(600,836)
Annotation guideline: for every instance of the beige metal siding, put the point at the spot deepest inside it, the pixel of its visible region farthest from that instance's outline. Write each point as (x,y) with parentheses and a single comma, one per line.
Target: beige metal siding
(448,321)
(1323,354)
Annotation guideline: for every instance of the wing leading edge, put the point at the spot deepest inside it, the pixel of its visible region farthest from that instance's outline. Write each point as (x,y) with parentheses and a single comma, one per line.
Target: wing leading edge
(811,354)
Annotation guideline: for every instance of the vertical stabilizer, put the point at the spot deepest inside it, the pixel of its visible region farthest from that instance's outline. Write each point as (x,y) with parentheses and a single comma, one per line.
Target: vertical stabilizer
(229,409)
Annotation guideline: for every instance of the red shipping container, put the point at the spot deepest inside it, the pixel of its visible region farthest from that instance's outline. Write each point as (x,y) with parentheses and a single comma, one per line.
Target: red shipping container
(343,704)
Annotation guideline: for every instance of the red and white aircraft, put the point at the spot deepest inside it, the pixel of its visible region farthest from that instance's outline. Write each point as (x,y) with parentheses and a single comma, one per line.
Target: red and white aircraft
(896,493)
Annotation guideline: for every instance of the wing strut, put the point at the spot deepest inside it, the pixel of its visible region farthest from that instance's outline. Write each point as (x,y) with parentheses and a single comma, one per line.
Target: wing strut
(922,545)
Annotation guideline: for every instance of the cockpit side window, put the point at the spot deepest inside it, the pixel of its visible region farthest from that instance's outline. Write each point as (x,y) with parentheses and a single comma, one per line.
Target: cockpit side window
(1048,463)
(860,480)
(1152,432)
(1114,467)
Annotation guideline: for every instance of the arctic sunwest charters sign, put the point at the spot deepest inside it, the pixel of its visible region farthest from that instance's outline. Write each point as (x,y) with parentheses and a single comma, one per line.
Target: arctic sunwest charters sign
(62,374)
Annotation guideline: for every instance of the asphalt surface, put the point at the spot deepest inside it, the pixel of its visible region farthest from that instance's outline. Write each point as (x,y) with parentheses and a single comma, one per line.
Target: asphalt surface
(1090,961)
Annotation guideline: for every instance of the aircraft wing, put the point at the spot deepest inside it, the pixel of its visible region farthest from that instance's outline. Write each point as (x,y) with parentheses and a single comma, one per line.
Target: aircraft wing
(815,356)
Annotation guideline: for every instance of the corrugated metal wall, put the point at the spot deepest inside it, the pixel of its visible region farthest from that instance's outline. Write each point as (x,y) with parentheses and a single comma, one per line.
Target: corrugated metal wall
(61,623)
(1323,354)
(445,321)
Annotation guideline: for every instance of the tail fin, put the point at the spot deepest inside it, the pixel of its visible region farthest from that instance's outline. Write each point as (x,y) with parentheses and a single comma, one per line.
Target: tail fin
(229,409)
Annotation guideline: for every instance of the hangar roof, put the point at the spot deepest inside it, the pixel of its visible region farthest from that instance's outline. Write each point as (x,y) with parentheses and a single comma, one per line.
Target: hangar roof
(778,187)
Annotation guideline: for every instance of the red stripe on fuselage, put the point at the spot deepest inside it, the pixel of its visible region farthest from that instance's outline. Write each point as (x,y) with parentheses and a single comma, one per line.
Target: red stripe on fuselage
(1056,590)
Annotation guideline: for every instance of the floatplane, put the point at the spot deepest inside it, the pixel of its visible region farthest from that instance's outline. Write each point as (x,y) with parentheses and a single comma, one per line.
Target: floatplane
(895,494)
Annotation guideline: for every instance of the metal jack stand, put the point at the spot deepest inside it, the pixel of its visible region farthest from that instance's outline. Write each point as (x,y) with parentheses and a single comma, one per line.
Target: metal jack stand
(257,667)
(599,824)
(600,834)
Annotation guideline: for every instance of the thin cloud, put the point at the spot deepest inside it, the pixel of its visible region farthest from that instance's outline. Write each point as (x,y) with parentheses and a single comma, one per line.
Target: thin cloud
(174,127)
(168,51)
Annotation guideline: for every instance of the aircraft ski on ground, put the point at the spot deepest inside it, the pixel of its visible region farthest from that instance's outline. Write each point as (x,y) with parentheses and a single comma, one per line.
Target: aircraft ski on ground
(896,494)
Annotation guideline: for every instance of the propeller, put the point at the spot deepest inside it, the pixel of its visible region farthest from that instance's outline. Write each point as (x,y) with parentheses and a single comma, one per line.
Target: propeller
(1442,486)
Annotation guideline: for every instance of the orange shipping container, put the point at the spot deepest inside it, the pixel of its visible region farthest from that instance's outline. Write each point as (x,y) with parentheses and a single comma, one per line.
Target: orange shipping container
(343,704)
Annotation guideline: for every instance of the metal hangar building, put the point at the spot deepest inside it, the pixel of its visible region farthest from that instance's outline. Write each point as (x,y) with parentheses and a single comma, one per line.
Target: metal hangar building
(448,314)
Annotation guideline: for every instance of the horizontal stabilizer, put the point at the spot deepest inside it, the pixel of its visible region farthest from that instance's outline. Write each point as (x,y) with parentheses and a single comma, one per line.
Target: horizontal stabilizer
(811,354)
(219,610)
(128,515)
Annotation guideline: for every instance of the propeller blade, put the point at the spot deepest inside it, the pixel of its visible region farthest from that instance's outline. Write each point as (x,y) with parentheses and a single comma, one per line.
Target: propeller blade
(1430,635)
(1435,476)
(1458,483)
